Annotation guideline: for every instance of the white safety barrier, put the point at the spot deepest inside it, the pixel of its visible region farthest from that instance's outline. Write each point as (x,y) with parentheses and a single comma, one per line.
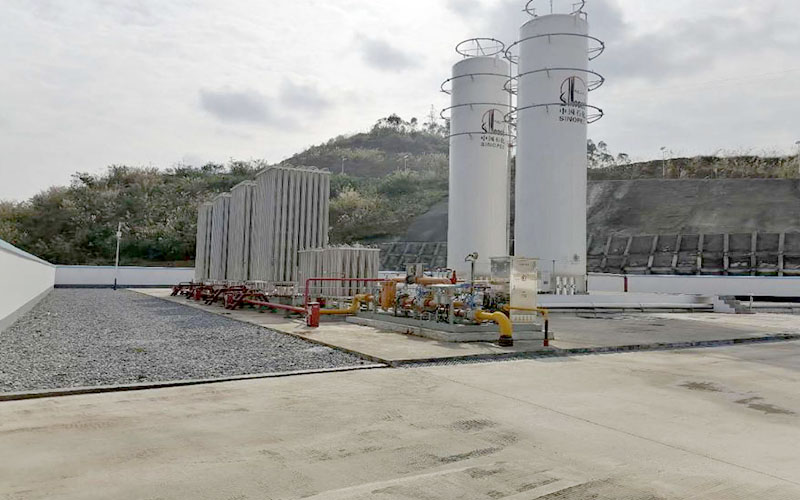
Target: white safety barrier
(24,280)
(757,286)
(128,276)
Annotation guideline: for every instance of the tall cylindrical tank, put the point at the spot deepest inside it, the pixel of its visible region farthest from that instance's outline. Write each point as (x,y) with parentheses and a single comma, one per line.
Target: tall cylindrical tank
(552,113)
(479,145)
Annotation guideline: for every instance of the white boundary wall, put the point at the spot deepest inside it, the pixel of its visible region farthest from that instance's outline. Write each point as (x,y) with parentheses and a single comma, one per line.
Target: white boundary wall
(24,280)
(759,286)
(129,276)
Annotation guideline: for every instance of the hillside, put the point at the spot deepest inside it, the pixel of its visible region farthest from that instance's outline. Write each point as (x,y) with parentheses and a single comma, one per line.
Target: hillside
(671,206)
(693,206)
(396,172)
(392,144)
(394,187)
(76,224)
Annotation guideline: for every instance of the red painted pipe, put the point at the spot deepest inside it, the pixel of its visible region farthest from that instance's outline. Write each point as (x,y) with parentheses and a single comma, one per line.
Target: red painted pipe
(275,306)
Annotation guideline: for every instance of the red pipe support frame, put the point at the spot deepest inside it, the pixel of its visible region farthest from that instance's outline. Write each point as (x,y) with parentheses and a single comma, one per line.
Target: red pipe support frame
(186,287)
(358,280)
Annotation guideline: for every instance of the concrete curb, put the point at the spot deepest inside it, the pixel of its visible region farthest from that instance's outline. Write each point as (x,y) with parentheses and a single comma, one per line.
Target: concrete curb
(553,352)
(99,389)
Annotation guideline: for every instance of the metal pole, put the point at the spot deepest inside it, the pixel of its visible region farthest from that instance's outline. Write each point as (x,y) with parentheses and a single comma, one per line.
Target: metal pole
(663,162)
(797,157)
(509,229)
(116,260)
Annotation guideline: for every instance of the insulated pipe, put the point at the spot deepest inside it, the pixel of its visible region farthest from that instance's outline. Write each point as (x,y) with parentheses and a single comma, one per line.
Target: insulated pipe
(506,327)
(354,306)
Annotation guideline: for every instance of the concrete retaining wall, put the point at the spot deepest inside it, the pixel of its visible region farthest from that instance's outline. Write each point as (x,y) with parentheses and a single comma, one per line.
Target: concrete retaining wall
(24,280)
(129,276)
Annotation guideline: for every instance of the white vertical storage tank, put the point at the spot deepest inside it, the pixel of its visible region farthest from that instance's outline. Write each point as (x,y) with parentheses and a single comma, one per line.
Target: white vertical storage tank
(220,215)
(552,114)
(238,268)
(479,149)
(203,242)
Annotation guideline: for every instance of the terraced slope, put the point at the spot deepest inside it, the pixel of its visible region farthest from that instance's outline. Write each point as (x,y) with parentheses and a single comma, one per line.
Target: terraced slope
(657,206)
(645,208)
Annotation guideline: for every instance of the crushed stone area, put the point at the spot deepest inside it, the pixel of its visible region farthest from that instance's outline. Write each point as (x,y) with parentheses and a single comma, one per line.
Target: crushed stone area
(87,337)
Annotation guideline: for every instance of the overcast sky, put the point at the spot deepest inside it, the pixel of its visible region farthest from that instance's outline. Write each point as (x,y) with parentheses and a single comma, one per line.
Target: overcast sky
(89,83)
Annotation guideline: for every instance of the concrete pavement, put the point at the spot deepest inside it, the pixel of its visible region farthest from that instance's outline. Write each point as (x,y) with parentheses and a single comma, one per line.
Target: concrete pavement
(571,333)
(692,424)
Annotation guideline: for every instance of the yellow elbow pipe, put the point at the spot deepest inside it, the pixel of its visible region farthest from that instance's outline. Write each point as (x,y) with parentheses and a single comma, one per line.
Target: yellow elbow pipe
(354,306)
(506,327)
(540,310)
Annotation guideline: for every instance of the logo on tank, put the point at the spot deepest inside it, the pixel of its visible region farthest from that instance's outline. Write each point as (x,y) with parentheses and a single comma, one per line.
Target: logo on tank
(573,100)
(494,129)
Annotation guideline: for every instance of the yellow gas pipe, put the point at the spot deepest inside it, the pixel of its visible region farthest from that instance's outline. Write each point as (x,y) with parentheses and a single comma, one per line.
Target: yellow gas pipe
(354,306)
(506,327)
(541,310)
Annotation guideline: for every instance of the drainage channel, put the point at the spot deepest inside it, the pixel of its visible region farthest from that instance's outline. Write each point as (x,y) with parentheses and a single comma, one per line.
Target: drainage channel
(584,351)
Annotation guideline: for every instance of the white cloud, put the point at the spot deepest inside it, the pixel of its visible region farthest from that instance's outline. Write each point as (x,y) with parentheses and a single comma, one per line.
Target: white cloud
(382,55)
(90,83)
(237,105)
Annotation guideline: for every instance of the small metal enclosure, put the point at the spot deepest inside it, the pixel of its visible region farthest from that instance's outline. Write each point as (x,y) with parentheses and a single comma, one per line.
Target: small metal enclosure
(518,277)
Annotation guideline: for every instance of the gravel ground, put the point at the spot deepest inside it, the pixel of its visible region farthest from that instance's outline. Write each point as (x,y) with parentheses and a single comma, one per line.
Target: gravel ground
(84,337)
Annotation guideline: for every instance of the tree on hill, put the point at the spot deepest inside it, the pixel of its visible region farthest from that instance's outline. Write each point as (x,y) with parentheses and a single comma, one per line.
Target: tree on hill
(392,143)
(76,224)
(392,173)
